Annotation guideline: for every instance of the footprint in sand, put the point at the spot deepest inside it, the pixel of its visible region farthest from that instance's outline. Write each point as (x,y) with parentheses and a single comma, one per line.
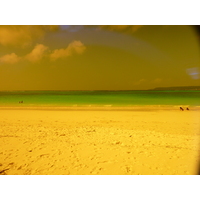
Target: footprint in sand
(42,155)
(102,162)
(3,172)
(128,169)
(116,142)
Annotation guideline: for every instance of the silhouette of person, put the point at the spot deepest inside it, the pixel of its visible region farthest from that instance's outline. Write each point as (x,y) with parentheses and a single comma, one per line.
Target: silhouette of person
(181,109)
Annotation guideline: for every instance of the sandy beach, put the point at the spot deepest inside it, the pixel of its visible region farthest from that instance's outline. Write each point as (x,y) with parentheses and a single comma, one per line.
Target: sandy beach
(96,141)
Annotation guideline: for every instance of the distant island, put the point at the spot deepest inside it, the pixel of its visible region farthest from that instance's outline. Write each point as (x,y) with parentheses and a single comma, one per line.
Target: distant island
(178,88)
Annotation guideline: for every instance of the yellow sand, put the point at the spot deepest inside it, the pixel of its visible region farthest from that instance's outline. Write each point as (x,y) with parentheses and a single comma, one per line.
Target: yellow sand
(99,141)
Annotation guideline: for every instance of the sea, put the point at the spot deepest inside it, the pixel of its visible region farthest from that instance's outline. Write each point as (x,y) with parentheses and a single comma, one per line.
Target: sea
(99,98)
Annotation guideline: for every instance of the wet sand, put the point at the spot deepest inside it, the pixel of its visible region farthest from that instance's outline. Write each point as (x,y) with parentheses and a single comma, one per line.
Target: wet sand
(92,141)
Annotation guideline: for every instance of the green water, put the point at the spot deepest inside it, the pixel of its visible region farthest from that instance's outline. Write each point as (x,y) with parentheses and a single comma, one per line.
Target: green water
(99,98)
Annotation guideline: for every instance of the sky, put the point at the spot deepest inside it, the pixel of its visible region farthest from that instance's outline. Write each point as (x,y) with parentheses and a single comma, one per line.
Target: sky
(102,57)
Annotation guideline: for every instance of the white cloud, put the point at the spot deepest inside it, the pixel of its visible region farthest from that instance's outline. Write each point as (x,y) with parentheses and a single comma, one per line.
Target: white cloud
(75,47)
(37,53)
(10,59)
(193,72)
(140,82)
(157,80)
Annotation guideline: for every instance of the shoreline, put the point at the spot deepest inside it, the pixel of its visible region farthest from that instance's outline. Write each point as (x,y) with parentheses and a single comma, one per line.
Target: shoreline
(104,108)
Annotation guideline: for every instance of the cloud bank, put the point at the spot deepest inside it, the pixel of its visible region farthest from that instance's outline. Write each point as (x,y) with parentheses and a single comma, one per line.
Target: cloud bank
(40,51)
(23,35)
